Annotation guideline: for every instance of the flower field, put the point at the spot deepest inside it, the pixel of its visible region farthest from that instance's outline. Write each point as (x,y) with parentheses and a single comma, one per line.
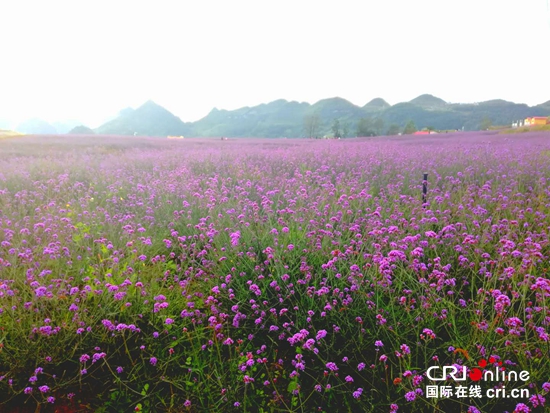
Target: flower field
(272,275)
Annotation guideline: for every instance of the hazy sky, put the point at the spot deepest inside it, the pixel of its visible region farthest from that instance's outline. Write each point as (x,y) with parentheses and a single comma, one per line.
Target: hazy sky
(88,60)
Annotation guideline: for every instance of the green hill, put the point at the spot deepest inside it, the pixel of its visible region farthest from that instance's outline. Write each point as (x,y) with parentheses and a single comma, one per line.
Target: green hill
(499,112)
(376,104)
(274,119)
(282,118)
(81,130)
(279,118)
(429,102)
(36,126)
(65,126)
(149,119)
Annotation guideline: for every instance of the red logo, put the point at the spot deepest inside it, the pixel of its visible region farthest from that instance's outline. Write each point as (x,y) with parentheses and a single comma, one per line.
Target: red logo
(476,374)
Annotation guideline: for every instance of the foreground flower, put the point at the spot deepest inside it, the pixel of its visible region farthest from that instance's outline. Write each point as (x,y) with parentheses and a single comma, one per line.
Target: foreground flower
(522,408)
(332,366)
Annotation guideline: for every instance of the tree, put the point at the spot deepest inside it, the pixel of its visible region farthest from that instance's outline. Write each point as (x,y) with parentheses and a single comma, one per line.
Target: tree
(393,129)
(378,125)
(345,129)
(336,129)
(311,125)
(410,128)
(365,127)
(486,123)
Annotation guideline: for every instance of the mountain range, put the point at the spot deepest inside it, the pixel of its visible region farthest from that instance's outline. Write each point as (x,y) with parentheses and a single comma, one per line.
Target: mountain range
(282,118)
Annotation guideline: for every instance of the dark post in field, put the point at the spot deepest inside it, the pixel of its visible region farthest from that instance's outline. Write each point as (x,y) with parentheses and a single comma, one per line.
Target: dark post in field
(424,187)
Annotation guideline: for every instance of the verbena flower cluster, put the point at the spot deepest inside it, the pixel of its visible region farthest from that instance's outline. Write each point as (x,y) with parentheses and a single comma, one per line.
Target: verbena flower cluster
(294,275)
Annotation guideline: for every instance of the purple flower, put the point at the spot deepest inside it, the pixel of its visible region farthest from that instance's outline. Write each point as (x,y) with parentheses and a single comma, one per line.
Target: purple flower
(332,366)
(119,370)
(522,408)
(97,356)
(321,334)
(153,361)
(357,393)
(537,400)
(255,289)
(44,389)
(235,236)
(361,366)
(410,396)
(169,321)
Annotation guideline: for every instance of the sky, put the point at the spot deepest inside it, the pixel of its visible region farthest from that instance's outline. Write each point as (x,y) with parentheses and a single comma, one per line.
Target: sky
(88,60)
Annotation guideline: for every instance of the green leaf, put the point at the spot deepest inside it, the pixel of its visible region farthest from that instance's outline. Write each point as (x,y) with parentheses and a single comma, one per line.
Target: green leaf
(293,385)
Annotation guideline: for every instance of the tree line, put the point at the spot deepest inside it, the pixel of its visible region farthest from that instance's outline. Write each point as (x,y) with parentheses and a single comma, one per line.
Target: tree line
(366,126)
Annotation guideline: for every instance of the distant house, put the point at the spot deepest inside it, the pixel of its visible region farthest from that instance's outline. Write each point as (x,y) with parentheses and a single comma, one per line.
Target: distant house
(175,137)
(422,132)
(536,120)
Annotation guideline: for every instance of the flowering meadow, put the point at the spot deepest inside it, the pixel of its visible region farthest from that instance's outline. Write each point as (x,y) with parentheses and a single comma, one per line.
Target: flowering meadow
(272,275)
